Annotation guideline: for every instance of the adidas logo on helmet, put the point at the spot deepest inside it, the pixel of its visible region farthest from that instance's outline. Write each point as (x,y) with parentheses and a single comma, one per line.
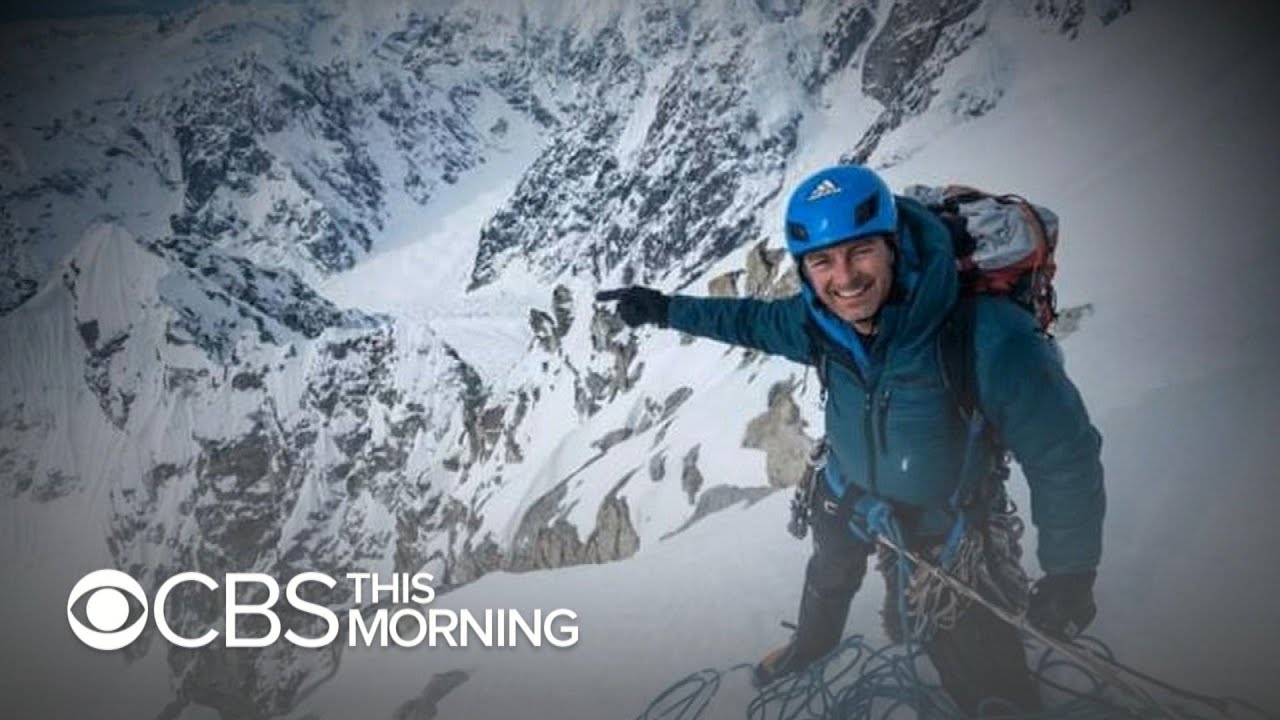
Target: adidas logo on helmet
(825,188)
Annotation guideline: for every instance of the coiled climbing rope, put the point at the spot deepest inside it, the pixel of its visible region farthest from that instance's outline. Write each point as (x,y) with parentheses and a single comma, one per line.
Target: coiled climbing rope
(857,681)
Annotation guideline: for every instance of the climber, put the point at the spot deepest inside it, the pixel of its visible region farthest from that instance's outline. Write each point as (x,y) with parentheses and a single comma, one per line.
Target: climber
(879,288)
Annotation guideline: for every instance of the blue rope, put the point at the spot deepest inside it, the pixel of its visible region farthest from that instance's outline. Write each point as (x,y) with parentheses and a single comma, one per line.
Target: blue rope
(857,681)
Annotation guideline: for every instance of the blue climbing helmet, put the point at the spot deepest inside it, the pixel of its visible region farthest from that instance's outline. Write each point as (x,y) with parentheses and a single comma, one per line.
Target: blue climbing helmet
(840,203)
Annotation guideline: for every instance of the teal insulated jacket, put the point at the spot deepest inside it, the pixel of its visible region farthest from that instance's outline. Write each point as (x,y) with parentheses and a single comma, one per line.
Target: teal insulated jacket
(894,428)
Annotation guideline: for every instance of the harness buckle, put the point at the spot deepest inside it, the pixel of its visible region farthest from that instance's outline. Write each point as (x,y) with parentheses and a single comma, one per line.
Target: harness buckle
(871,516)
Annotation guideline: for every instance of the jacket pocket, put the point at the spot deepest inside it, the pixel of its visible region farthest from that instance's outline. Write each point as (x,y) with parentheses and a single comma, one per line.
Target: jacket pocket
(921,441)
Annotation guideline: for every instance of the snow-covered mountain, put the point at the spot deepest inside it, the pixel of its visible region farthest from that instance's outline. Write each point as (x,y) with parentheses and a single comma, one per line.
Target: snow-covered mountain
(308,286)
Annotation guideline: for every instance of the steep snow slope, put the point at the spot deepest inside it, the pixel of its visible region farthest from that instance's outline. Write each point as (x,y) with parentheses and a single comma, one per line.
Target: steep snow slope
(712,597)
(519,405)
(1166,229)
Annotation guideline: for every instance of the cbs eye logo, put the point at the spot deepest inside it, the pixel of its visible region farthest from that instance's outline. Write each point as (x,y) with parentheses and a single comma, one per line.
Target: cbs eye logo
(106,608)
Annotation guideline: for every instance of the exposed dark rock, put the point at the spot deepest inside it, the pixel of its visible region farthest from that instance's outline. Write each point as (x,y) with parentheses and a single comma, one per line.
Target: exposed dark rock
(593,389)
(474,560)
(614,537)
(611,438)
(114,401)
(779,431)
(675,400)
(544,331)
(1111,10)
(686,200)
(658,467)
(764,268)
(545,539)
(247,381)
(424,707)
(53,485)
(847,32)
(722,497)
(562,308)
(910,35)
(907,55)
(513,451)
(690,476)
(88,333)
(724,285)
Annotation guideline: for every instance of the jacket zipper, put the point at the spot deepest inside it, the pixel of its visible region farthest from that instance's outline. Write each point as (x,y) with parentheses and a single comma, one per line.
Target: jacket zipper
(883,424)
(868,429)
(869,424)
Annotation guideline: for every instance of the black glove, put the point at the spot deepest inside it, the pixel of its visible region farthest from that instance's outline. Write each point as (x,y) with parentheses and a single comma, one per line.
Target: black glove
(1062,605)
(638,305)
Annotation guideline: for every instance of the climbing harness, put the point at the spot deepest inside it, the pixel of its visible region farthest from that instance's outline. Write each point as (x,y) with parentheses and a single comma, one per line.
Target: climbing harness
(802,498)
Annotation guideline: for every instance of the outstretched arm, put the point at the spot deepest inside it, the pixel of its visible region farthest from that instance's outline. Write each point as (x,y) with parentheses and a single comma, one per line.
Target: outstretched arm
(775,327)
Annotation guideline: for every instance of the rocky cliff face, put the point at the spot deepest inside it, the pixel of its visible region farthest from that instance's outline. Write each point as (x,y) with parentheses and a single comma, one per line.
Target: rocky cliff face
(176,192)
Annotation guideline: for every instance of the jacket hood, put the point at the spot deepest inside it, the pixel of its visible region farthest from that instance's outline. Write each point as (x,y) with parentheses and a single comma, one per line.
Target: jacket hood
(925,287)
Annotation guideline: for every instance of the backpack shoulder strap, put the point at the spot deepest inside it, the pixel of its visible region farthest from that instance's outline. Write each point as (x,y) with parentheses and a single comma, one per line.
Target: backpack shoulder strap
(957,354)
(984,467)
(819,352)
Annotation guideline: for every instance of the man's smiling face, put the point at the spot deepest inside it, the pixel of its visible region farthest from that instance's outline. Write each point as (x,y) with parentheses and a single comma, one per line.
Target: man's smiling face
(852,279)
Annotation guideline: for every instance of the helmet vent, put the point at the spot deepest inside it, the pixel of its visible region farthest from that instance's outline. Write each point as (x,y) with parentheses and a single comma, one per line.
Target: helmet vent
(866,210)
(797,232)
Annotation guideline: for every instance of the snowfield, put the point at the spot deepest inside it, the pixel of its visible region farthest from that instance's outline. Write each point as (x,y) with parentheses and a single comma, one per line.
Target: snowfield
(1152,137)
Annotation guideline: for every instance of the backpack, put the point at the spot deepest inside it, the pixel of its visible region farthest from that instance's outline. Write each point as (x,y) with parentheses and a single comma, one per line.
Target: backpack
(1004,245)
